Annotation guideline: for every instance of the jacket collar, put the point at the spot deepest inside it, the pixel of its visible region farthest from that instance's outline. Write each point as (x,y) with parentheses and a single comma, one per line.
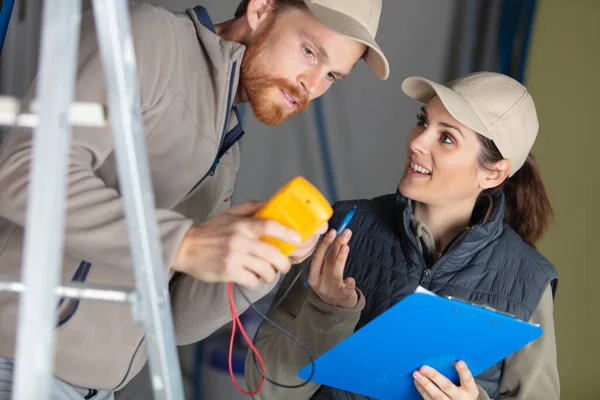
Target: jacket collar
(224,56)
(487,225)
(204,18)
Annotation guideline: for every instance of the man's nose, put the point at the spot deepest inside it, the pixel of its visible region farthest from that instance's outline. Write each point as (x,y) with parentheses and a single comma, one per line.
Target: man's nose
(310,81)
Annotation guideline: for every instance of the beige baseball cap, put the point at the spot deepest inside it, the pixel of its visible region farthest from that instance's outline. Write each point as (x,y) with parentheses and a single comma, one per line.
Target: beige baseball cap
(357,20)
(492,104)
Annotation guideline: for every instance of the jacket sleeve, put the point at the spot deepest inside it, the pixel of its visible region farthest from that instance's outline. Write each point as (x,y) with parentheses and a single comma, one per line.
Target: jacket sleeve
(532,372)
(318,325)
(95,228)
(201,308)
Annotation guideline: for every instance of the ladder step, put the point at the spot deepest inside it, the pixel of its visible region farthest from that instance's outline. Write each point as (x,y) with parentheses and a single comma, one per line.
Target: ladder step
(14,112)
(77,291)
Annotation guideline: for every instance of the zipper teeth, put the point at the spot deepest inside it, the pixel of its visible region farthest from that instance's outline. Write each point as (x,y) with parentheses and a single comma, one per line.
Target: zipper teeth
(212,170)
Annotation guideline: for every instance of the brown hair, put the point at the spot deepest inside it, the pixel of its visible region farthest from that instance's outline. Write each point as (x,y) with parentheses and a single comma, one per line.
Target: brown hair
(528,211)
(279,5)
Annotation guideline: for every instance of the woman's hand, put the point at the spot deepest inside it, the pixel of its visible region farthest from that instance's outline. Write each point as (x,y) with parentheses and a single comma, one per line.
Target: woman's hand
(326,275)
(427,378)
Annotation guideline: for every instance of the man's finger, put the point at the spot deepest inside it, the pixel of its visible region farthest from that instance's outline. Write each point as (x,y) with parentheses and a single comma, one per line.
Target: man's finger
(316,264)
(247,279)
(308,245)
(260,227)
(267,252)
(259,267)
(322,229)
(246,209)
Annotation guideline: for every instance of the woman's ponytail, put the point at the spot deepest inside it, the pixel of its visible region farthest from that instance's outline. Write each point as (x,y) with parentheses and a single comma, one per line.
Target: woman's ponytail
(528,211)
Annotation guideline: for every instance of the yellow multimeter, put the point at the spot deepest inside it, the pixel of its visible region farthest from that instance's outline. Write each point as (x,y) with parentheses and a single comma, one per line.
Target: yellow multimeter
(298,205)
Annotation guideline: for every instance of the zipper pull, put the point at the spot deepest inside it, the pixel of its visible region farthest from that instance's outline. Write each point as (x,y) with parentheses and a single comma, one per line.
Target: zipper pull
(214,167)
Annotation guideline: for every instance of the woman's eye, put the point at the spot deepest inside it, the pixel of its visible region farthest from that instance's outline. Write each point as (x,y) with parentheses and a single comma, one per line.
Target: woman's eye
(447,138)
(421,120)
(309,52)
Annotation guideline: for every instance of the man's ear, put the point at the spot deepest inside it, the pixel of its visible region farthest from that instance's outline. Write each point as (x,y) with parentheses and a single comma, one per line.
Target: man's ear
(258,11)
(495,175)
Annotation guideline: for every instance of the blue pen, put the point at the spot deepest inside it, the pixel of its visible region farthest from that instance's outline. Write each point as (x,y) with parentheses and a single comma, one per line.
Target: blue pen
(339,231)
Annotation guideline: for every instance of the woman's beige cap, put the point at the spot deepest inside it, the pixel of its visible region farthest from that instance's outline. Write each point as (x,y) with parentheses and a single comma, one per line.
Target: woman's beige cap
(357,20)
(492,104)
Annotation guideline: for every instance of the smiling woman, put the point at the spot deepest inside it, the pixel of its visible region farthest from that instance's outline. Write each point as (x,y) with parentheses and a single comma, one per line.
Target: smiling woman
(450,164)
(468,209)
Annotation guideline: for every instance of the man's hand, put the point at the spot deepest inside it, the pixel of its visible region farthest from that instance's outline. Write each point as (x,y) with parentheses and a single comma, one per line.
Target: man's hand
(434,386)
(227,248)
(326,275)
(304,251)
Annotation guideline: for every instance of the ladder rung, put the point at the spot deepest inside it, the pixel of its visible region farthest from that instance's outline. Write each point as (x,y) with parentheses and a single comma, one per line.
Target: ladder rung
(77,291)
(14,112)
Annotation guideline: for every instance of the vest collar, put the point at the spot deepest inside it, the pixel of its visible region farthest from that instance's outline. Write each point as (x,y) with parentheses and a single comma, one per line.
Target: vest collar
(487,223)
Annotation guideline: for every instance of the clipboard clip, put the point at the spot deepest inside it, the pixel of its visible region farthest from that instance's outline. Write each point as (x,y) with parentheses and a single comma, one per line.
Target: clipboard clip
(484,306)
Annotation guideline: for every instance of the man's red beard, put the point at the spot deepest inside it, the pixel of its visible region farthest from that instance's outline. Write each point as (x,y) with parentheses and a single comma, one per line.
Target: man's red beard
(260,86)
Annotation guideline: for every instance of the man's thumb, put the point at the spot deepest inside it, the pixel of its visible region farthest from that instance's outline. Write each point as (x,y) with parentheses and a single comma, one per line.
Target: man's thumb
(247,208)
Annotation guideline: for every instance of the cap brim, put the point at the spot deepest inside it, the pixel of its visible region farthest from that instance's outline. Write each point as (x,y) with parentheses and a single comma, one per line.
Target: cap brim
(348,27)
(423,90)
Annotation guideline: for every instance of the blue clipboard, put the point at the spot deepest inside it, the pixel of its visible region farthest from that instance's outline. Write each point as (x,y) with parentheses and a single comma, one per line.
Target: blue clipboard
(423,329)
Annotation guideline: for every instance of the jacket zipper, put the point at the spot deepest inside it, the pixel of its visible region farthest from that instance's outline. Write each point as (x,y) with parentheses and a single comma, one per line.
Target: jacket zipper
(424,266)
(80,276)
(230,140)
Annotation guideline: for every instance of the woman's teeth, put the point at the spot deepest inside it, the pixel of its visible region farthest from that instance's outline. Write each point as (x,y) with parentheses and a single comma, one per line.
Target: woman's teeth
(418,168)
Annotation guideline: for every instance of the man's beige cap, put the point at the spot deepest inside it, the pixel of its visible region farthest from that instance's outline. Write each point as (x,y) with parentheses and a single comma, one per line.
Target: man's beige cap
(492,104)
(357,20)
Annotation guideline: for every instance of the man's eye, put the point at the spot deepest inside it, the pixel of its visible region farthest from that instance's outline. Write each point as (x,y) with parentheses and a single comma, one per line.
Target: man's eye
(309,52)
